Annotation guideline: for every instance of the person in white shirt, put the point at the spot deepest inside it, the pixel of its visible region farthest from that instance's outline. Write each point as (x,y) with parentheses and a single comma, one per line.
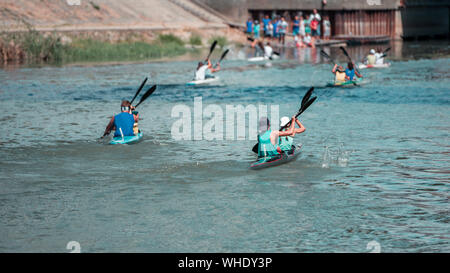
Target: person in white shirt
(202,70)
(268,51)
(379,57)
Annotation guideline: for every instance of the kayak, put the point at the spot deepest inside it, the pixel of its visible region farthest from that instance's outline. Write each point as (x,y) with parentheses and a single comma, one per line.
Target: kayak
(127,139)
(205,81)
(270,161)
(363,66)
(356,82)
(262,58)
(258,59)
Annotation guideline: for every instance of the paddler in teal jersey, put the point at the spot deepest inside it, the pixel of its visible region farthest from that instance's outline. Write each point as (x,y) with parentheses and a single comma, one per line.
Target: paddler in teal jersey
(268,139)
(123,123)
(287,141)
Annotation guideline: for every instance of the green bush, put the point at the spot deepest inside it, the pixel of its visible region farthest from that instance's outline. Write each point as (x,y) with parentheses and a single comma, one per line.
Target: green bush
(195,40)
(169,38)
(41,48)
(221,40)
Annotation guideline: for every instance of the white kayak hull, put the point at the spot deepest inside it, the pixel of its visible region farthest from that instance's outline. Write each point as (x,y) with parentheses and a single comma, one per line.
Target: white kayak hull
(202,82)
(364,66)
(262,58)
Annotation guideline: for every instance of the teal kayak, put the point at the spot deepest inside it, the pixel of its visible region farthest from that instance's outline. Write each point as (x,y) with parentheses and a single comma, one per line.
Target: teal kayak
(127,139)
(345,84)
(286,156)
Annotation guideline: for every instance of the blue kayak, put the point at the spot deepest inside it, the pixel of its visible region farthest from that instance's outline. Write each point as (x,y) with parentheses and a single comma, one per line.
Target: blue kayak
(127,139)
(270,161)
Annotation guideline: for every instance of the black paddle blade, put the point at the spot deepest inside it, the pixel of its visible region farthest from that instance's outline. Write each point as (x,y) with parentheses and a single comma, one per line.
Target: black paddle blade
(147,94)
(139,90)
(223,55)
(250,39)
(276,53)
(307,96)
(308,104)
(211,49)
(386,50)
(345,52)
(255,148)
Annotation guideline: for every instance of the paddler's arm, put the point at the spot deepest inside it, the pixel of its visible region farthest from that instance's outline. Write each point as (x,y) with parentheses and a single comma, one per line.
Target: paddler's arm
(215,69)
(109,127)
(301,128)
(334,68)
(357,74)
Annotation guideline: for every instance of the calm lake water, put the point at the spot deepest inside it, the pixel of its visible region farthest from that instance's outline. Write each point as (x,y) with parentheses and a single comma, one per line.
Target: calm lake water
(375,164)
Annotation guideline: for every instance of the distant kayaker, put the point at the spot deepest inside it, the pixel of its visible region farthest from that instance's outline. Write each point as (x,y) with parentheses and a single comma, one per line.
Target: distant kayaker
(379,57)
(339,72)
(350,72)
(268,51)
(123,123)
(287,141)
(202,70)
(371,59)
(268,139)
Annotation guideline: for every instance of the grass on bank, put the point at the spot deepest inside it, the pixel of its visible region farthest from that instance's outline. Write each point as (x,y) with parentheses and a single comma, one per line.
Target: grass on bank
(33,47)
(93,50)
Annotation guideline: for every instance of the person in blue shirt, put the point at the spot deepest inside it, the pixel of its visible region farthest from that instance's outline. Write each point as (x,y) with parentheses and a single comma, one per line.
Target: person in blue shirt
(265,21)
(123,123)
(350,72)
(296,26)
(275,28)
(249,26)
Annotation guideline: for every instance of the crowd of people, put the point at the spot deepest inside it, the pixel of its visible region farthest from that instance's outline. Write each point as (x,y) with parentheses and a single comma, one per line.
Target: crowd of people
(305,29)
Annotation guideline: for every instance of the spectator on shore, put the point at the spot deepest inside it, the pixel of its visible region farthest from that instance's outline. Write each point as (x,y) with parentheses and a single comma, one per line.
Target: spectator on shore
(275,28)
(326,28)
(314,27)
(269,31)
(265,21)
(282,26)
(316,15)
(309,41)
(296,26)
(249,26)
(307,28)
(256,29)
(302,28)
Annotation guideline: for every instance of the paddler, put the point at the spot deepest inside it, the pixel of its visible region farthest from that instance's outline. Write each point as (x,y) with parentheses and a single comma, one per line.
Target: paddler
(268,139)
(371,59)
(379,57)
(123,123)
(350,72)
(268,50)
(287,141)
(202,70)
(339,72)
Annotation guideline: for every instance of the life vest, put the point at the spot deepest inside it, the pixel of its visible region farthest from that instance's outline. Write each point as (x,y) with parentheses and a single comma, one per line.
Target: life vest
(286,143)
(124,123)
(265,147)
(340,76)
(371,59)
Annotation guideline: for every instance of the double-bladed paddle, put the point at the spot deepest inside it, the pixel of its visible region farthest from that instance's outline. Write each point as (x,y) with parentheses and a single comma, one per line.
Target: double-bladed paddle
(139,90)
(323,53)
(306,102)
(146,95)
